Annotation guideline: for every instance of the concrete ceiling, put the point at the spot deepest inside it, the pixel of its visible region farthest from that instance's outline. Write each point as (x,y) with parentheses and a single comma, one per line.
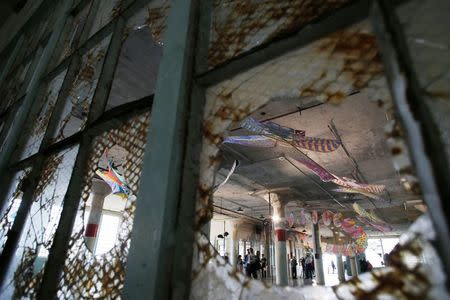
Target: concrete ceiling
(360,123)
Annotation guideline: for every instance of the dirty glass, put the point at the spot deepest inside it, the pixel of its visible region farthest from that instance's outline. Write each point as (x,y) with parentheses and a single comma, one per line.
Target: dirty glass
(106,12)
(13,86)
(11,205)
(137,67)
(29,261)
(32,139)
(328,70)
(77,105)
(238,26)
(70,36)
(113,170)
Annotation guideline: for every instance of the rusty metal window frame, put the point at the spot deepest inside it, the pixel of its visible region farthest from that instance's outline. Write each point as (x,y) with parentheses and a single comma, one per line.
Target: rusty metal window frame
(168,232)
(98,122)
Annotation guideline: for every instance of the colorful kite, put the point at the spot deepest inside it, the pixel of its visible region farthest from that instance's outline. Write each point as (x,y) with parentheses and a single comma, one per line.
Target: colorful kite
(291,220)
(116,181)
(371,219)
(269,134)
(327,217)
(347,185)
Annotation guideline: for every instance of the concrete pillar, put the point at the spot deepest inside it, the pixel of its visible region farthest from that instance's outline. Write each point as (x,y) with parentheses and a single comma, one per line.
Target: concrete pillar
(233,247)
(99,191)
(267,250)
(340,268)
(318,263)
(353,266)
(281,265)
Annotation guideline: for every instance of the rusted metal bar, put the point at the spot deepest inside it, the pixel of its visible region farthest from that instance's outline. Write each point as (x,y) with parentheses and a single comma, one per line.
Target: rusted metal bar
(150,269)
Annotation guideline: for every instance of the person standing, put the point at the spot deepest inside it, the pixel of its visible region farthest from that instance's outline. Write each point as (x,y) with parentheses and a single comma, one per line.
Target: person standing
(333,266)
(263,266)
(302,263)
(254,264)
(240,263)
(308,266)
(294,267)
(247,263)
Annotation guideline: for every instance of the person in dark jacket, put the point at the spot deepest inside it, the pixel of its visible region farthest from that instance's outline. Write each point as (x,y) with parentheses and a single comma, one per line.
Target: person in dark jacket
(294,267)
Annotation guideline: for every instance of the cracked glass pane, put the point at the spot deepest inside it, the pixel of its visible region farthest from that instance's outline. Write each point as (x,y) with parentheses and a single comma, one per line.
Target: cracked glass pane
(279,121)
(32,139)
(139,59)
(78,103)
(238,26)
(26,270)
(71,35)
(11,206)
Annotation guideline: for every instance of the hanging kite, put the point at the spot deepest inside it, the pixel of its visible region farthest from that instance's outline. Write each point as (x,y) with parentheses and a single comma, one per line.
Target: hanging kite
(371,219)
(347,185)
(269,134)
(233,168)
(116,181)
(291,220)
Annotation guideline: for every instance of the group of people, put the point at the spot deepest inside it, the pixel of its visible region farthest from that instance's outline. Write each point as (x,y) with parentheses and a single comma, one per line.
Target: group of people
(252,264)
(307,264)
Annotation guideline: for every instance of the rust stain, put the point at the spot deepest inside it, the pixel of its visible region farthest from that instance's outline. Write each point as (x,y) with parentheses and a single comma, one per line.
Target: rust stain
(157,20)
(234,33)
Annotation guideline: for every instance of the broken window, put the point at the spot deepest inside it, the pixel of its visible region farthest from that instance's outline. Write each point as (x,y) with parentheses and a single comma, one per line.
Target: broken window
(25,272)
(77,105)
(31,141)
(96,259)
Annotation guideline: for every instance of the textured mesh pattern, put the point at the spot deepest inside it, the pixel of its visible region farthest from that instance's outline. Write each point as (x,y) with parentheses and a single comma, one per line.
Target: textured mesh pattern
(86,275)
